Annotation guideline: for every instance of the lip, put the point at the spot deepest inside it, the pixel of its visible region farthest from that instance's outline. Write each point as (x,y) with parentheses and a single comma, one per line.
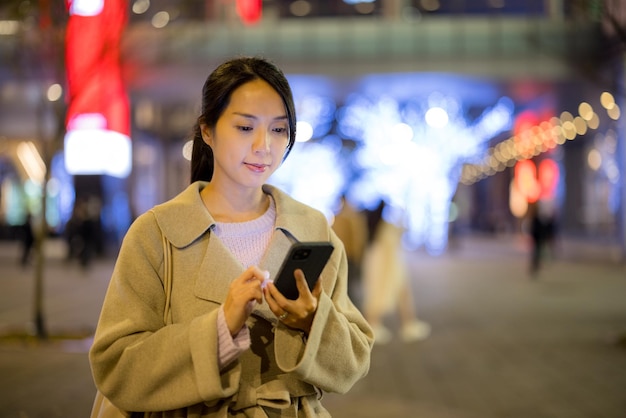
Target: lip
(258,168)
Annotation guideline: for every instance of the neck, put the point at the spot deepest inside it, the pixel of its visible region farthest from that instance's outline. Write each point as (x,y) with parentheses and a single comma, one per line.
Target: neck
(234,206)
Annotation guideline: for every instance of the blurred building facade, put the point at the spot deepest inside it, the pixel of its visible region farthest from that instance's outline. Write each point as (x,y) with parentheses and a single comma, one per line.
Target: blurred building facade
(558,64)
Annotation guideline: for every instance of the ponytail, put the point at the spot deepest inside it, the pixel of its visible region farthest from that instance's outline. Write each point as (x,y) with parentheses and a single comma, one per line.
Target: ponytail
(201,158)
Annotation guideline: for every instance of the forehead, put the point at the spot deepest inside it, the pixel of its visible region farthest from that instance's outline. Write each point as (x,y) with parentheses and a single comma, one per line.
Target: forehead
(258,96)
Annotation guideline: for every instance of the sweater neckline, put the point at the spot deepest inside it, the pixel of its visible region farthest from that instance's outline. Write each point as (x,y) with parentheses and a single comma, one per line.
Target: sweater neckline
(238,229)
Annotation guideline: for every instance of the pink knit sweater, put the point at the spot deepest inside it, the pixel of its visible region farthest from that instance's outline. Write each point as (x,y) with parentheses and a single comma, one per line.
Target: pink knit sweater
(248,242)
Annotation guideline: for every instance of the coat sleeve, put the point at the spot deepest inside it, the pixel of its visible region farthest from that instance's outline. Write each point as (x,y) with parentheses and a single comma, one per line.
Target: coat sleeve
(336,353)
(139,363)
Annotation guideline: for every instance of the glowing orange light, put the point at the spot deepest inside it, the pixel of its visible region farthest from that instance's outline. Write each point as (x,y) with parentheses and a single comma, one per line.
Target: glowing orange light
(523,138)
(526,180)
(548,174)
(534,182)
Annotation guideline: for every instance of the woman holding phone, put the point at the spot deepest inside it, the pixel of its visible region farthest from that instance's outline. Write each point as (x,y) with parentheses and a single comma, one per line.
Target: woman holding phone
(232,344)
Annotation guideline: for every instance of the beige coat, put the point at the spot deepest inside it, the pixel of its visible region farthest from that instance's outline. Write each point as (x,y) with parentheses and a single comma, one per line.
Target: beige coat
(142,365)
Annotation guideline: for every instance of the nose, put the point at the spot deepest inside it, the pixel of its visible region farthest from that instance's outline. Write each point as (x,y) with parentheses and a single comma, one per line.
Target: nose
(261,142)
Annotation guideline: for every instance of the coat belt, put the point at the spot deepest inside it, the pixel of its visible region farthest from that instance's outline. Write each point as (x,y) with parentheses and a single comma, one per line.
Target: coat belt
(275,394)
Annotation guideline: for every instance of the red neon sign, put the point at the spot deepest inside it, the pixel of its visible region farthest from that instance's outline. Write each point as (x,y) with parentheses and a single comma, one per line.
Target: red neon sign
(94,74)
(97,140)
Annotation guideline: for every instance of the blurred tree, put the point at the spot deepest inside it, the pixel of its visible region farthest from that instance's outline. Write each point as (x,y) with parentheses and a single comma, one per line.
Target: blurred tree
(38,58)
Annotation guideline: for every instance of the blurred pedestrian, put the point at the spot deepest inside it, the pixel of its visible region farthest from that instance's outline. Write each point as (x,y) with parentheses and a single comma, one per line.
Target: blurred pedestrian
(542,232)
(350,225)
(72,233)
(386,282)
(27,239)
(88,231)
(81,231)
(222,341)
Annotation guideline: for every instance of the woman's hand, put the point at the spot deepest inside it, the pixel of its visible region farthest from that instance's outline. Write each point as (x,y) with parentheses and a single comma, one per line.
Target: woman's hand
(243,292)
(297,313)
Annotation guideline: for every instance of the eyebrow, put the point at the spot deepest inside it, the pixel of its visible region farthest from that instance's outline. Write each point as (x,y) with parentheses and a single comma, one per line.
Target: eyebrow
(249,116)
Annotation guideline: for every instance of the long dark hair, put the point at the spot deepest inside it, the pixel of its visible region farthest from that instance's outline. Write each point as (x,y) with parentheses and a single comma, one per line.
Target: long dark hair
(216,94)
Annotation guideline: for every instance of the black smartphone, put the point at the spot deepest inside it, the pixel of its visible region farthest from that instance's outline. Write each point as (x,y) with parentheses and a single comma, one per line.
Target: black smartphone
(310,257)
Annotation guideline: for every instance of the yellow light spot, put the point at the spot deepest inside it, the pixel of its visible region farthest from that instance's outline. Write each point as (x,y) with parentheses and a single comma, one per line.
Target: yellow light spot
(607,100)
(594,122)
(585,110)
(566,117)
(594,159)
(614,112)
(580,125)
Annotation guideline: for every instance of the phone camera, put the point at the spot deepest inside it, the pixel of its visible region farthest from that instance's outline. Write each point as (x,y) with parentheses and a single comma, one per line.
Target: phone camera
(301,254)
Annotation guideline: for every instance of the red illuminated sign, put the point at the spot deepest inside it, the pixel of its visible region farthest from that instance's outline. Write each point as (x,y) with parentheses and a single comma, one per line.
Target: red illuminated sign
(250,11)
(98,118)
(94,74)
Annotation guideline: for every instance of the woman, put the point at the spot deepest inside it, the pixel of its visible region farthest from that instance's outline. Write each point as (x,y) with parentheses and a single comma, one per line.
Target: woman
(233,345)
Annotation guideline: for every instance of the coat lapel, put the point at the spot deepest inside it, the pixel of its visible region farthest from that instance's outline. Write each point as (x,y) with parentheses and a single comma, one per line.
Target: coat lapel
(276,252)
(217,270)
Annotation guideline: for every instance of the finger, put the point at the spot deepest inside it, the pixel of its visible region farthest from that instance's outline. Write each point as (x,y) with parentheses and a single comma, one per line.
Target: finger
(257,295)
(253,288)
(317,290)
(270,300)
(273,296)
(258,274)
(239,296)
(246,288)
(275,300)
(252,273)
(303,286)
(240,303)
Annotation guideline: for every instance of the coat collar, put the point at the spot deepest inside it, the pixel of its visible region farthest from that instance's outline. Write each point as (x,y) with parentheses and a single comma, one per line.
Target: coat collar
(184,218)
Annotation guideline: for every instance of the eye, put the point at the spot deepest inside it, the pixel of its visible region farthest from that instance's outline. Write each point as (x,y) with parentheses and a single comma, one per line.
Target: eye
(244,128)
(280,130)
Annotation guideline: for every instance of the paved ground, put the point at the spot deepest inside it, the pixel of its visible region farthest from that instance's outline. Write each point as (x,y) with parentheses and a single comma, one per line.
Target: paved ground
(502,345)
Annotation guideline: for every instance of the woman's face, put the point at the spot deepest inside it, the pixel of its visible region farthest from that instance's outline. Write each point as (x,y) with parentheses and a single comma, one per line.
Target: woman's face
(250,137)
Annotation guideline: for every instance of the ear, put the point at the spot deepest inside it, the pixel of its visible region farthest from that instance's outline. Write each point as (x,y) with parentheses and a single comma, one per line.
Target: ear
(207,134)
